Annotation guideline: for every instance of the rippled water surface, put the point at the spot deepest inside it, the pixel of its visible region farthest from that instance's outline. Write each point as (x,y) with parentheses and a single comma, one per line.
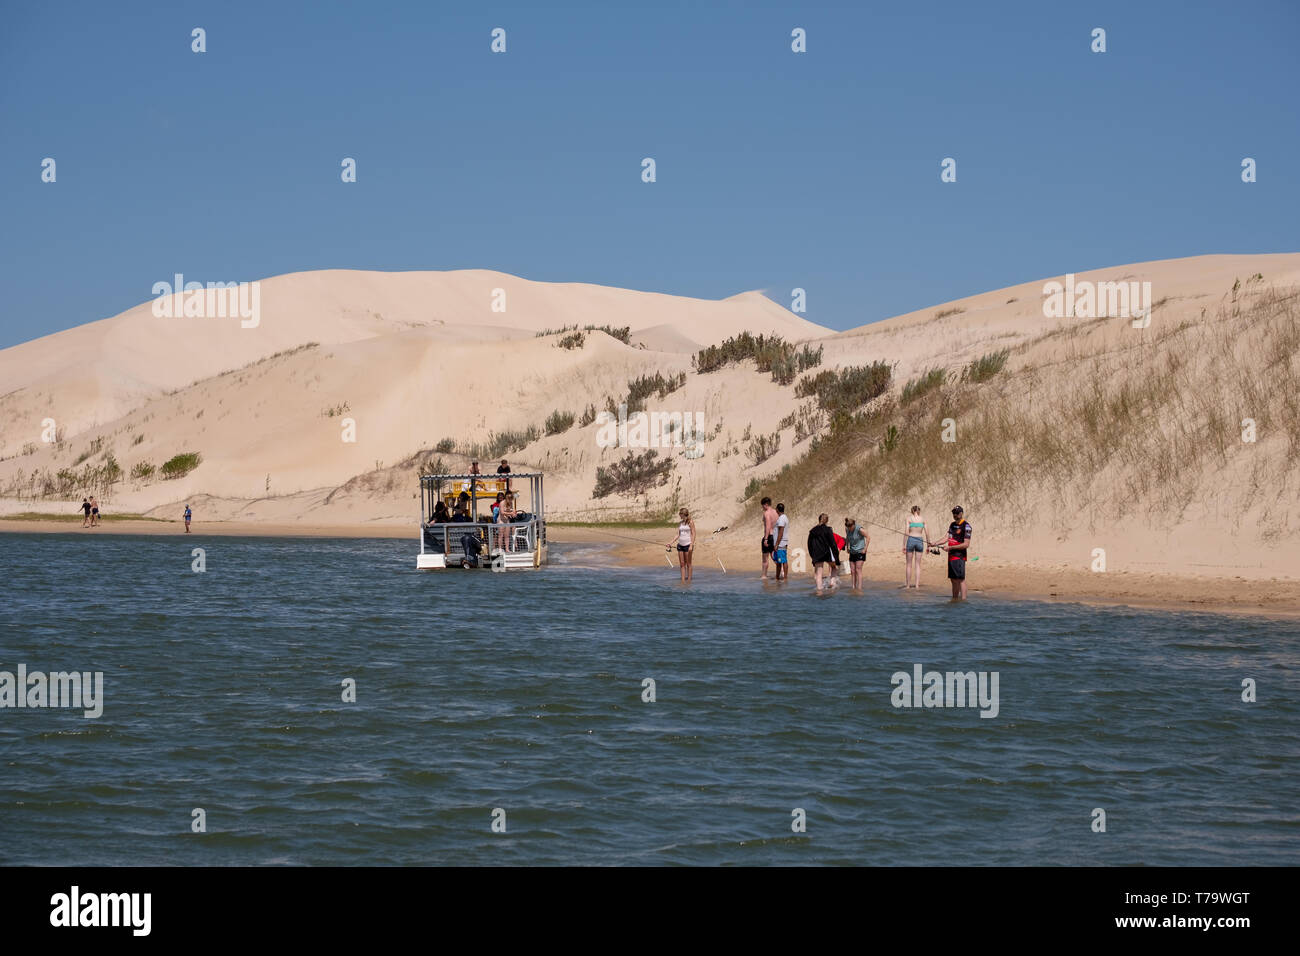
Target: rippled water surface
(523,691)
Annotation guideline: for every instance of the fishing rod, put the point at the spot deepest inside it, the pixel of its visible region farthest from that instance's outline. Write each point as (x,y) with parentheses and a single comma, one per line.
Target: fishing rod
(708,540)
(906,535)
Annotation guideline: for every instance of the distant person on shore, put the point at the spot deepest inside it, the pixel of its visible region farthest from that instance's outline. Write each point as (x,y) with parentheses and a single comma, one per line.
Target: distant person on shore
(685,541)
(85,508)
(769,524)
(94,511)
(914,548)
(958,545)
(823,550)
(781,543)
(188,515)
(857,541)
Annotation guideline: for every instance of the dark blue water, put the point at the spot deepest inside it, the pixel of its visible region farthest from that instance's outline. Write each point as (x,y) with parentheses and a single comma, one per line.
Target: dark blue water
(523,691)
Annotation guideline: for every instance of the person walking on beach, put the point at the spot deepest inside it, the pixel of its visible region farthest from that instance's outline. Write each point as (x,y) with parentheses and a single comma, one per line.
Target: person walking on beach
(914,548)
(781,544)
(85,508)
(958,545)
(94,511)
(857,540)
(685,541)
(769,523)
(188,514)
(822,549)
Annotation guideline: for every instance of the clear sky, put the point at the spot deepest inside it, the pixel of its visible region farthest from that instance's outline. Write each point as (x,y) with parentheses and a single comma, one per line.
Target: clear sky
(774,169)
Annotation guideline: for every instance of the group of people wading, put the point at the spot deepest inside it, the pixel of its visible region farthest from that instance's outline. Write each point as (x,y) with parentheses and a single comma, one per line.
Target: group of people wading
(826,549)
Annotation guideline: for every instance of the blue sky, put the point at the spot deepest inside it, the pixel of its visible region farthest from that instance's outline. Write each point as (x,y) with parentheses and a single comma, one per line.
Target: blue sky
(775,169)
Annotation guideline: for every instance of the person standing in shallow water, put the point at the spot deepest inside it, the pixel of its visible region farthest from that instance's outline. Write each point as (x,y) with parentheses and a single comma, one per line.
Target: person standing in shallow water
(914,548)
(769,525)
(685,541)
(856,541)
(94,511)
(780,543)
(822,549)
(958,545)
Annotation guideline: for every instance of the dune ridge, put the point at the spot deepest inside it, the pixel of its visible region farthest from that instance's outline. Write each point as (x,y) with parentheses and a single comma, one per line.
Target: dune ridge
(427,374)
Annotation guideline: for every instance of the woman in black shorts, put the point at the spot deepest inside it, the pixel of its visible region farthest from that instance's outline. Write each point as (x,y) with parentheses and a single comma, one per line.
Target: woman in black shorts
(685,541)
(856,542)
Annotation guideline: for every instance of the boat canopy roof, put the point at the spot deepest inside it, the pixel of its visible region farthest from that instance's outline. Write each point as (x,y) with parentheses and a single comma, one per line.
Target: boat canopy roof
(492,476)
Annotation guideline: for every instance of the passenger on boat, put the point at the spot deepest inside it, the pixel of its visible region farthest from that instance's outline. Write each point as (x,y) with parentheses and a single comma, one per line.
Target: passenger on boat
(461,512)
(503,512)
(440,514)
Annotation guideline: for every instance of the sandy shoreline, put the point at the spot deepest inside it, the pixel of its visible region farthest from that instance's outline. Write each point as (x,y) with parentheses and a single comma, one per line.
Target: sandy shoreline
(1156,590)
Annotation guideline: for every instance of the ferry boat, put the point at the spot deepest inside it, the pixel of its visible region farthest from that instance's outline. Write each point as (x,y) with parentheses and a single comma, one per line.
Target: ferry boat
(462,534)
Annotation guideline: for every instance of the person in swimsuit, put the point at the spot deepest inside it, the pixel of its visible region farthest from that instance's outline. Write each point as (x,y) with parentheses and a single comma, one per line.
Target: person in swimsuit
(505,514)
(857,541)
(781,542)
(769,523)
(94,511)
(85,507)
(914,548)
(188,515)
(685,542)
(822,549)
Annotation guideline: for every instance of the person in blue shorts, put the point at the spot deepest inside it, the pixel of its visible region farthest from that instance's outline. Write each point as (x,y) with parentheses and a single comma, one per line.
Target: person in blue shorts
(780,541)
(188,515)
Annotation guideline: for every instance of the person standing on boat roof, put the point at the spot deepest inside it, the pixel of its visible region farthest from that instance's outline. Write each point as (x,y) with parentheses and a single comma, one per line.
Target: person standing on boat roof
(504,469)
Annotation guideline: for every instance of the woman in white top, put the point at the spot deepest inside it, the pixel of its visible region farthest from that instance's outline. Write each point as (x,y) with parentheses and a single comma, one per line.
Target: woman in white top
(914,548)
(685,542)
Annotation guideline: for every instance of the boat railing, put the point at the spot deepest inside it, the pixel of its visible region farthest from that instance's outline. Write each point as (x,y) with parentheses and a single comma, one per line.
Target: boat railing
(444,537)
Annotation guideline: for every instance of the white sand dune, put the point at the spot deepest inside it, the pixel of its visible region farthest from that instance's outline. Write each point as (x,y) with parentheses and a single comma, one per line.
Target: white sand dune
(413,359)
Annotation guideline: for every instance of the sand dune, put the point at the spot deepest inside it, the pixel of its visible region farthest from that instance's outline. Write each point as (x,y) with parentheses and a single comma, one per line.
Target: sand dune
(407,361)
